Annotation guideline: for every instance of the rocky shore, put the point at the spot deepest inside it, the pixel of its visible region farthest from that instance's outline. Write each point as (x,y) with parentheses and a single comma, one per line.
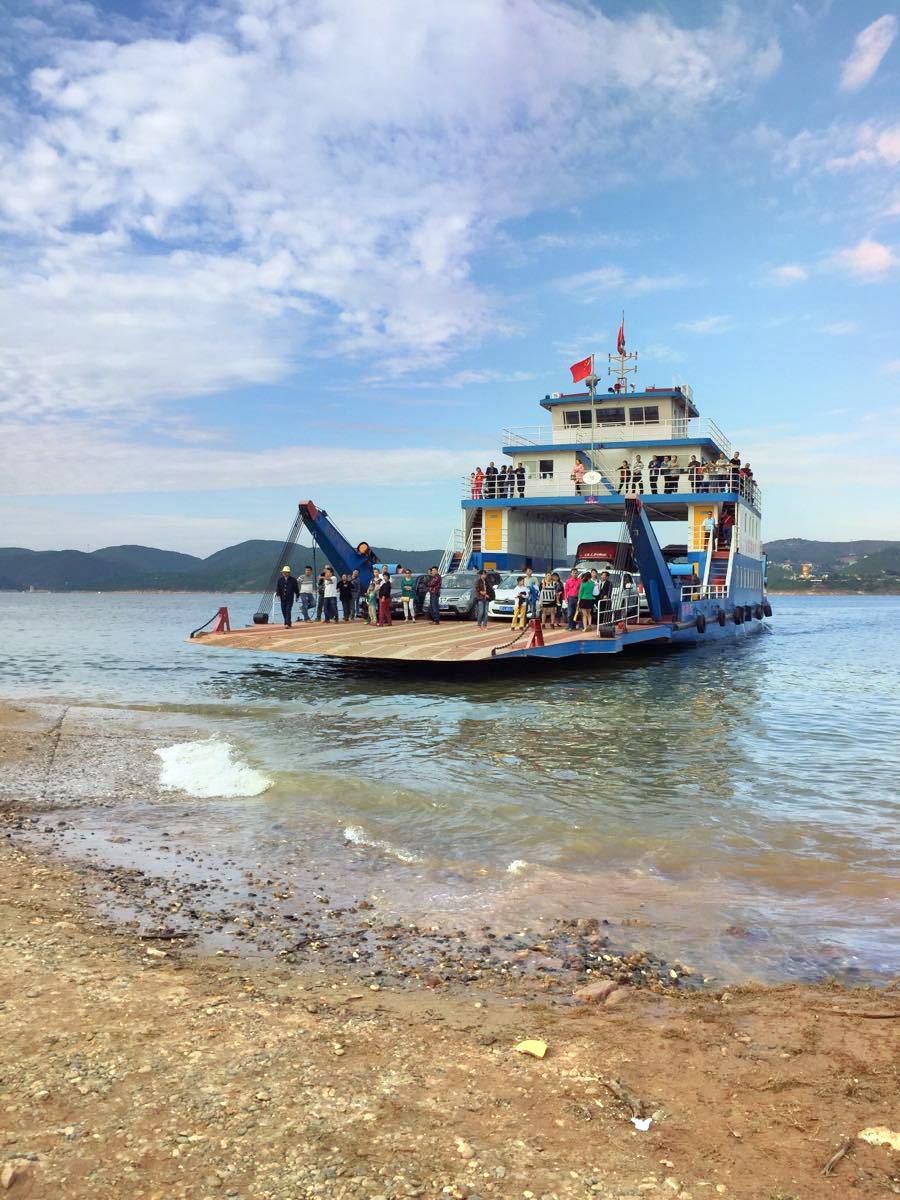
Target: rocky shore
(270,1039)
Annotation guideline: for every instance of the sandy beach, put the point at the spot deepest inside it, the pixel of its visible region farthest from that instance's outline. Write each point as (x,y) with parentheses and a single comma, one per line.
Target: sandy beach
(140,1062)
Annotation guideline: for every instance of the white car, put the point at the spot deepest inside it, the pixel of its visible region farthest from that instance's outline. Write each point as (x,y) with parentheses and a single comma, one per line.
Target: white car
(504,601)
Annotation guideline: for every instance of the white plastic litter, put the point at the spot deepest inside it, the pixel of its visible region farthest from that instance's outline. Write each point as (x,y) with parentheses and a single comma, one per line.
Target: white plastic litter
(642,1123)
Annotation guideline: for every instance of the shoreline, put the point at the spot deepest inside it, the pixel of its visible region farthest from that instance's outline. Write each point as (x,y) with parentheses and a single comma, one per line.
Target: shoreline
(165,1047)
(135,1068)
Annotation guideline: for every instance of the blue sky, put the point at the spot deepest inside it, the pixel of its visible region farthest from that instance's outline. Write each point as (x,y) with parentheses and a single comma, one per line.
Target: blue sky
(260,251)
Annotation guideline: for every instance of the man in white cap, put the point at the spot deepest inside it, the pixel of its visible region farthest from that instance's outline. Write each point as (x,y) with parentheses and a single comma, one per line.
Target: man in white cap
(287,590)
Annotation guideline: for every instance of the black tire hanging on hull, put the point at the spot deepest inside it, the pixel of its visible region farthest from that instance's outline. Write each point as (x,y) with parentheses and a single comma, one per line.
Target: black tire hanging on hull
(700,623)
(767,609)
(720,617)
(738,616)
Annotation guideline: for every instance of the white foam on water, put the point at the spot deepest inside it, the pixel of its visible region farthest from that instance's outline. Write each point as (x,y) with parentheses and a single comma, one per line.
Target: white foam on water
(208,769)
(517,866)
(358,836)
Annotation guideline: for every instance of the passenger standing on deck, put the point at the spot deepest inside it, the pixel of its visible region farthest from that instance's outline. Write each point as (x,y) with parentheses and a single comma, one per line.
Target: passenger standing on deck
(709,528)
(477,483)
(654,467)
(320,597)
(356,588)
(624,476)
(520,480)
(384,598)
(570,591)
(637,475)
(520,608)
(371,599)
(287,590)
(604,598)
(673,471)
(503,482)
(330,595)
(484,593)
(533,587)
(307,592)
(407,595)
(695,469)
(548,600)
(421,595)
(434,595)
(490,482)
(586,600)
(735,473)
(577,475)
(345,594)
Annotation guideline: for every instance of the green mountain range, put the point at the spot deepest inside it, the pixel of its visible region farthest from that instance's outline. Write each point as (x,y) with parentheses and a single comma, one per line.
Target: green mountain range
(245,567)
(838,566)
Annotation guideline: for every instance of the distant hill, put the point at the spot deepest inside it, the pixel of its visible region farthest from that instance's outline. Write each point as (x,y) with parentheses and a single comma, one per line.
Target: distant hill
(245,567)
(867,566)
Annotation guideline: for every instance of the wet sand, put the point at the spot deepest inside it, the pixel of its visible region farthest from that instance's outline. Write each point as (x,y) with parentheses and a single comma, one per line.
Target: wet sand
(157,1045)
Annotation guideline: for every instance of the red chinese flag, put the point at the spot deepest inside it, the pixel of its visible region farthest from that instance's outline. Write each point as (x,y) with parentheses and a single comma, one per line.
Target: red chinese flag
(581,370)
(620,340)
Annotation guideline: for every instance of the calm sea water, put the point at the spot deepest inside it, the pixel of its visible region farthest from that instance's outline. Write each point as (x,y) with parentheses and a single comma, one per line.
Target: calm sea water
(738,807)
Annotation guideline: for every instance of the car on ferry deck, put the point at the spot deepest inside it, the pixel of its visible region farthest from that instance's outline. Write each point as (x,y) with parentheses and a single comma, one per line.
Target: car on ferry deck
(458,594)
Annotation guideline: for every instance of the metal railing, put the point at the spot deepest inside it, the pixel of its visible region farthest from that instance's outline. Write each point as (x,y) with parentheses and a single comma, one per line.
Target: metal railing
(610,484)
(704,591)
(699,428)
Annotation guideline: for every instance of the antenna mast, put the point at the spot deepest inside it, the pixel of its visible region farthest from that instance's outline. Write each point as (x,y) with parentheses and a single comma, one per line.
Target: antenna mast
(622,364)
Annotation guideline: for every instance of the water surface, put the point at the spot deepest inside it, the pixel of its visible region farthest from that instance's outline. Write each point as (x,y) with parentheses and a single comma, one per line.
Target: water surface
(739,805)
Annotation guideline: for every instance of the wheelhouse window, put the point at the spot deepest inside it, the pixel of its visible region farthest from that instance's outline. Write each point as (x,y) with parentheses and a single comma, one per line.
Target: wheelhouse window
(646,415)
(545,468)
(610,416)
(577,417)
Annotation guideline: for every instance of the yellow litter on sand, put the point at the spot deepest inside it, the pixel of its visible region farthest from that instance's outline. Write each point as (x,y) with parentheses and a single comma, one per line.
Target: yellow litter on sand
(536,1049)
(876,1135)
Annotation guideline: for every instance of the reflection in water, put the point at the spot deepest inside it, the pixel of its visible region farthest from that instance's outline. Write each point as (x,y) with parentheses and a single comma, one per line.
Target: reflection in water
(704,789)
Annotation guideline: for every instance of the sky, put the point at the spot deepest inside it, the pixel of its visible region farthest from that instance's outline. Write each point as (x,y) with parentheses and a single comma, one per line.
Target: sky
(260,251)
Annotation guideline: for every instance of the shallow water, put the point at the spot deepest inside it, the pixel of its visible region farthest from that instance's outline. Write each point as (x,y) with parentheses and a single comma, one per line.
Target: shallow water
(740,805)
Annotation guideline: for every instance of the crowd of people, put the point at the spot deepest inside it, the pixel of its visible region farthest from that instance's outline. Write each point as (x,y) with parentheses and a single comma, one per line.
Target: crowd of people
(584,596)
(662,474)
(317,599)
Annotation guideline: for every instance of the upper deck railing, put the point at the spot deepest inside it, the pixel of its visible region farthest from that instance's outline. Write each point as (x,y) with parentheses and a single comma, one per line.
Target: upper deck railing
(649,433)
(683,488)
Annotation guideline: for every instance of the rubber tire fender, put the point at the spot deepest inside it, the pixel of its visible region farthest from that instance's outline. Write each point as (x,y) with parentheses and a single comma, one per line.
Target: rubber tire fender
(767,609)
(748,612)
(700,623)
(720,616)
(738,615)
(757,612)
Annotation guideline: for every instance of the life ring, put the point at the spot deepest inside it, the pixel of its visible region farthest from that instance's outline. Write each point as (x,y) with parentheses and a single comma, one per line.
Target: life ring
(757,612)
(700,623)
(720,616)
(767,609)
(738,616)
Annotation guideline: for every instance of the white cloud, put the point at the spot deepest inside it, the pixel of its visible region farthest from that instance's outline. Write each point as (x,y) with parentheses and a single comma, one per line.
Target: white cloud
(461,379)
(869,49)
(840,328)
(590,285)
(788,274)
(64,457)
(892,367)
(318,181)
(867,260)
(714,324)
(842,146)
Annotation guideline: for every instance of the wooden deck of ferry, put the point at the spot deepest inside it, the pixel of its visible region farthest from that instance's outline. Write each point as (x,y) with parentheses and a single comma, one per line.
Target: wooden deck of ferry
(424,642)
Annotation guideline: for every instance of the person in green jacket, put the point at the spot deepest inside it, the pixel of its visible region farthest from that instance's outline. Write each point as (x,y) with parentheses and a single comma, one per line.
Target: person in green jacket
(586,600)
(407,595)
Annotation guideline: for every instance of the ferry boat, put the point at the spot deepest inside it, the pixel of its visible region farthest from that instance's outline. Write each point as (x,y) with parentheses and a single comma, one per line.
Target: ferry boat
(633,460)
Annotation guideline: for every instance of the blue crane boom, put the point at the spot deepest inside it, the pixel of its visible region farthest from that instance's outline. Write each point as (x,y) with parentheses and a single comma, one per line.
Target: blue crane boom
(340,553)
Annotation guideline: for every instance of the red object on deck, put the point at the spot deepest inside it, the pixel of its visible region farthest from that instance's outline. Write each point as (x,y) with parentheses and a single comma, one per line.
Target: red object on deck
(537,634)
(222,623)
